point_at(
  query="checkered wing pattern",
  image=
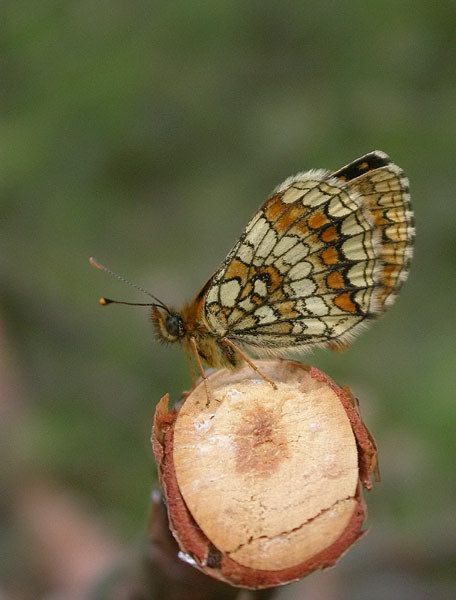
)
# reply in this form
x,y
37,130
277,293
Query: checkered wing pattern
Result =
x,y
384,190
324,254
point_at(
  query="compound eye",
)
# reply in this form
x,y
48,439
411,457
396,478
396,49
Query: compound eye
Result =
x,y
173,326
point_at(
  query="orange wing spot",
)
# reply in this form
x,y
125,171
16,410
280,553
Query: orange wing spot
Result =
x,y
380,220
345,303
274,207
389,275
329,234
317,220
275,277
258,300
276,296
238,269
335,280
330,256
246,291
389,269
290,216
286,309
363,166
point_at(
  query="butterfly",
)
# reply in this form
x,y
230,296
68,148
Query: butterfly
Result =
x,y
324,256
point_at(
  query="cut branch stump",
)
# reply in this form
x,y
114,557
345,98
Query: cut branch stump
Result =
x,y
262,485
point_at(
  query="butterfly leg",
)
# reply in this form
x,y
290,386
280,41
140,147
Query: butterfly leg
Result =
x,y
200,369
190,365
244,356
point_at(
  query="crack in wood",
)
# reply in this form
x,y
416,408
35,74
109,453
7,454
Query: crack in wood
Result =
x,y
294,529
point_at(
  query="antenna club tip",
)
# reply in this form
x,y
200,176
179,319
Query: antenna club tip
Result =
x,y
93,261
103,301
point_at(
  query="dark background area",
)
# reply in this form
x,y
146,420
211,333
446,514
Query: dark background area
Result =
x,y
147,134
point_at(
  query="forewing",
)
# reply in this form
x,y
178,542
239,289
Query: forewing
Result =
x,y
384,190
304,271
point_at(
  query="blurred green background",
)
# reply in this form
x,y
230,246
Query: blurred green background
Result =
x,y
147,134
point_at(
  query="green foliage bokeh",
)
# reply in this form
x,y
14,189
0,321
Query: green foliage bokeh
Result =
x,y
146,134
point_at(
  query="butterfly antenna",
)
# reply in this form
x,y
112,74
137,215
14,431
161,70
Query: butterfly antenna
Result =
x,y
105,301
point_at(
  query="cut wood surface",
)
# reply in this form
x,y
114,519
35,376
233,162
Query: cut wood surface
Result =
x,y
270,478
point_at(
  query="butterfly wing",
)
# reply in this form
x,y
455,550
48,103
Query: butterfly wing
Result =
x,y
307,269
384,189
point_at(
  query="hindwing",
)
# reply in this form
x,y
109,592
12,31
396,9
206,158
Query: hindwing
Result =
x,y
384,189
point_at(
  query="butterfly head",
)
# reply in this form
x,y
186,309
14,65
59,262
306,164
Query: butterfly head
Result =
x,y
168,325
